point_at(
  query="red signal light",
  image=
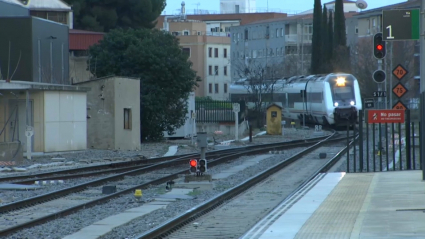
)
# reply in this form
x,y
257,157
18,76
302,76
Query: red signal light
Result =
x,y
193,163
379,47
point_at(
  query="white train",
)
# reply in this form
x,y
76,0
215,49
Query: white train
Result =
x,y
331,99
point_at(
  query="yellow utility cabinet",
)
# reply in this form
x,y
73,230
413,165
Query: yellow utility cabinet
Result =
x,y
274,119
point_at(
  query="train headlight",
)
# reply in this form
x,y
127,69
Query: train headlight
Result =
x,y
336,104
352,103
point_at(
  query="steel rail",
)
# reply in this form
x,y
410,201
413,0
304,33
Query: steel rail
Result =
x,y
128,165
181,220
142,186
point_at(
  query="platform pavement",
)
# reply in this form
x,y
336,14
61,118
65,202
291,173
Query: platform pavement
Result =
x,y
380,205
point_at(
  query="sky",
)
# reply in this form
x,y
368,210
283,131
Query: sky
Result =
x,y
287,6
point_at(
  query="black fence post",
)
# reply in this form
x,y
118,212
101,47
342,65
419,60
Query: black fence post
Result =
x,y
399,146
348,148
407,139
367,147
380,146
414,146
386,147
361,140
374,147
354,147
392,132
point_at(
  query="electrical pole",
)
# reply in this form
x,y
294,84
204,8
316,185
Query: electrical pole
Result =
x,y
422,86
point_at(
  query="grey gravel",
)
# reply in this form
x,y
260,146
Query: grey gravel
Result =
x,y
74,222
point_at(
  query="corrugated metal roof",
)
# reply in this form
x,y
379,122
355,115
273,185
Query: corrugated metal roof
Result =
x,y
80,40
42,4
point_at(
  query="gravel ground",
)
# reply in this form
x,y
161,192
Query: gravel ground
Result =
x,y
72,223
148,150
8,196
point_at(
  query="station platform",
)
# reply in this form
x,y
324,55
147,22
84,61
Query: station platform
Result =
x,y
356,206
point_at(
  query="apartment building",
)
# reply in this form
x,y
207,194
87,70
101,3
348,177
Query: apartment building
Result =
x,y
209,55
281,47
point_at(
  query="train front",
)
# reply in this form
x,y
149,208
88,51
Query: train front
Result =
x,y
346,98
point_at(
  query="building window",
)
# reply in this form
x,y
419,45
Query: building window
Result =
x,y
60,17
127,118
209,51
216,88
246,34
277,32
216,70
186,51
210,70
357,30
210,88
215,52
225,87
225,71
282,33
186,33
225,52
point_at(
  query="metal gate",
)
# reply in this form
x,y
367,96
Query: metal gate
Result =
x,y
385,146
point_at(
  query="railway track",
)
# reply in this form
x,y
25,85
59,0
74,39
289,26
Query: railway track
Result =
x,y
222,217
229,155
121,167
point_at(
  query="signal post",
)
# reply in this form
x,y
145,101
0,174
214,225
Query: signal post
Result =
x,y
198,167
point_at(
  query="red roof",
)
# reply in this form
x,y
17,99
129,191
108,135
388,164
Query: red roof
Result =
x,y
82,40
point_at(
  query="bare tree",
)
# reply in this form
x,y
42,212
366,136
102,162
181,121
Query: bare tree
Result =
x,y
259,80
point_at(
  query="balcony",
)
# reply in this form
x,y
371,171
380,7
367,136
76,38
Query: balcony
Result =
x,y
298,38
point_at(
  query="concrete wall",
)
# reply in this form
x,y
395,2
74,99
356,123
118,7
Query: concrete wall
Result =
x,y
37,99
226,129
100,113
127,95
105,106
78,69
65,124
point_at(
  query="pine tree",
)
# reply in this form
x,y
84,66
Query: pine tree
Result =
x,y
316,39
330,46
325,42
340,38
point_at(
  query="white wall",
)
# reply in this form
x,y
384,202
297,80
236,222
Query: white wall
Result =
x,y
219,79
245,6
65,121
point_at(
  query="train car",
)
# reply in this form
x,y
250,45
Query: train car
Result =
x,y
332,99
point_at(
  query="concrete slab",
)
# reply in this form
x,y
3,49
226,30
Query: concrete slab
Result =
x,y
10,186
106,225
233,170
194,185
172,150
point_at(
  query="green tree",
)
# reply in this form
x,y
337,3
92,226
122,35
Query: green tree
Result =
x,y
104,15
341,53
340,38
325,42
330,38
156,58
316,38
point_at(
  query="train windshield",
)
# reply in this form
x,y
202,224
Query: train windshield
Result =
x,y
342,89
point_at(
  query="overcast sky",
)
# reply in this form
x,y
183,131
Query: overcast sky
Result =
x,y
288,6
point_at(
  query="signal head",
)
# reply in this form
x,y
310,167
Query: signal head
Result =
x,y
203,165
379,50
193,165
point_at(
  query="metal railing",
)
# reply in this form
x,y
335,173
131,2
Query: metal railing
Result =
x,y
213,111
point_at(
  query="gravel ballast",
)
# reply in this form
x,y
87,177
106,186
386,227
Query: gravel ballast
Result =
x,y
73,223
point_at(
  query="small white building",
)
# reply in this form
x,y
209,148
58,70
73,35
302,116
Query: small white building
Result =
x,y
237,6
56,114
